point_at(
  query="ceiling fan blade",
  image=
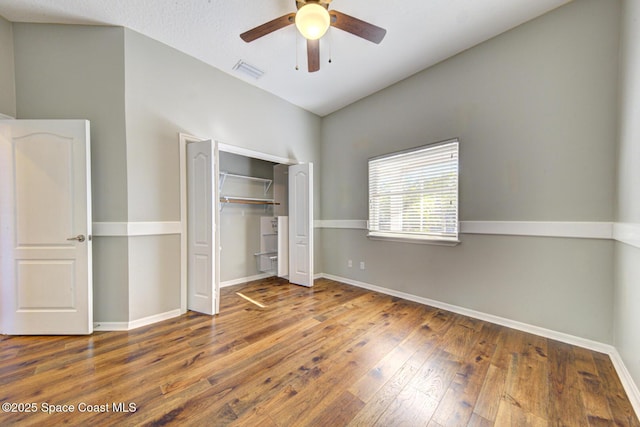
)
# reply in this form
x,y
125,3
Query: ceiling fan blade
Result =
x,y
268,27
313,55
357,27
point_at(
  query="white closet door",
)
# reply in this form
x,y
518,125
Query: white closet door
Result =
x,y
202,287
301,224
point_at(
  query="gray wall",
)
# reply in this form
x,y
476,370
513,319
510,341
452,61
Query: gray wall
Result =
x,y
535,111
77,72
7,76
627,283
554,283
170,92
110,279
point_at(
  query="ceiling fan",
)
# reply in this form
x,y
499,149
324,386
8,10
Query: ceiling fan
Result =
x,y
312,19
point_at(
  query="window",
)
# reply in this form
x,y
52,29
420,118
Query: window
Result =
x,y
413,194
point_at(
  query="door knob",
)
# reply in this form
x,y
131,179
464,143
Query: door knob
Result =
x,y
80,238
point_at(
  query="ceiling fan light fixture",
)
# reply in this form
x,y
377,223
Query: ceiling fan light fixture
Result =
x,y
312,20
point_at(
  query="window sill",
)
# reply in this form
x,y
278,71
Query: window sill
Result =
x,y
418,241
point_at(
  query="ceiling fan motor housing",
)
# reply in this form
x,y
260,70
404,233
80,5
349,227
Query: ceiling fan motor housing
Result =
x,y
324,3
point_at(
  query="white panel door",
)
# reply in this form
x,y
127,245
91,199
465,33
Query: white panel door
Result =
x,y
203,291
45,227
301,224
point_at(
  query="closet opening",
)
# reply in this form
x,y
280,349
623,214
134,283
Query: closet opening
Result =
x,y
253,218
244,216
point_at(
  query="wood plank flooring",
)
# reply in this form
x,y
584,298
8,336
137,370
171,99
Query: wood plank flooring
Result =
x,y
332,355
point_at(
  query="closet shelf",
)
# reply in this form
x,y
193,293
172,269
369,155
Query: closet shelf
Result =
x,y
224,175
247,200
267,262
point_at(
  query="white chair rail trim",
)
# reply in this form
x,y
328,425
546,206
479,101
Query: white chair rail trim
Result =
x,y
628,233
128,229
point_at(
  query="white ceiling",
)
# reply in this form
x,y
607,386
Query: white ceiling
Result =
x,y
420,33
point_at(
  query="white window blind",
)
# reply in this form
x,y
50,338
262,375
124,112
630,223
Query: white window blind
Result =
x,y
414,194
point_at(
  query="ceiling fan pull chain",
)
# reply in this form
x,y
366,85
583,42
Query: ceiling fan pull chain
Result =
x,y
297,67
330,40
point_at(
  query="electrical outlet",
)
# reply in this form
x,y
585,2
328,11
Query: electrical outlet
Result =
x,y
361,265
350,263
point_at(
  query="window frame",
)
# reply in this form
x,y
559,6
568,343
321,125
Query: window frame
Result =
x,y
421,237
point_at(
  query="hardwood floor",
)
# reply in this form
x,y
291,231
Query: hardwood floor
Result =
x,y
332,355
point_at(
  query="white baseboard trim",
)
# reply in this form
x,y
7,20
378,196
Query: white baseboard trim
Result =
x,y
129,229
110,326
127,326
559,336
154,319
625,377
245,279
633,393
